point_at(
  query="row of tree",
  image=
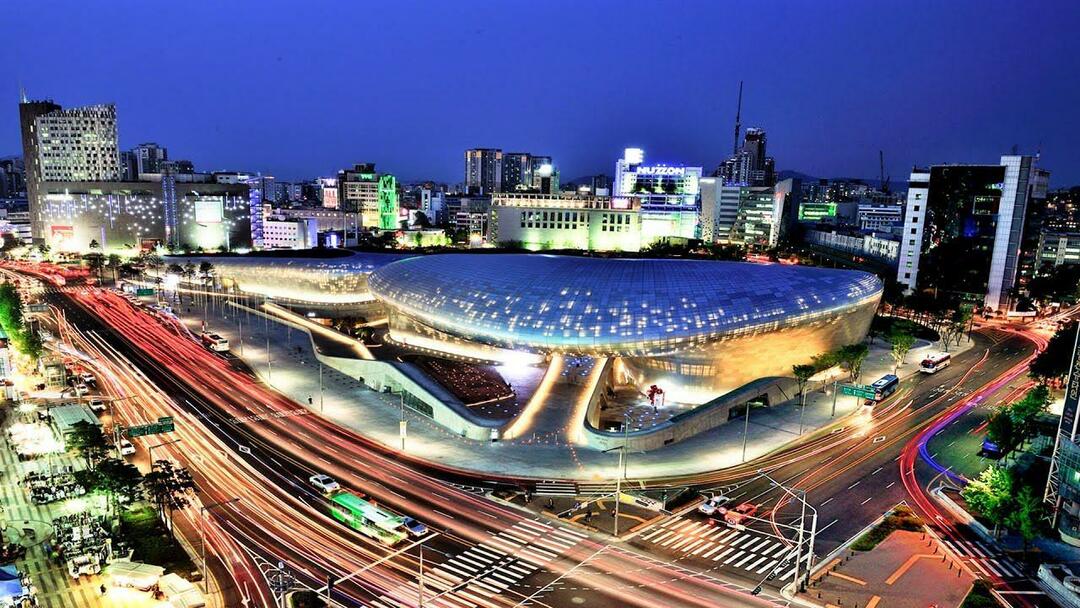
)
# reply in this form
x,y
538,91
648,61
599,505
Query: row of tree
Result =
x,y
849,357
1014,423
14,324
996,498
167,486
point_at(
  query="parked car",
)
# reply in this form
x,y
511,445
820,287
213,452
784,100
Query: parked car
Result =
x,y
88,378
324,483
126,447
96,405
712,503
740,513
81,389
415,528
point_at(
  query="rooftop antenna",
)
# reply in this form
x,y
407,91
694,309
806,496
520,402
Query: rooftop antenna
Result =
x,y
738,120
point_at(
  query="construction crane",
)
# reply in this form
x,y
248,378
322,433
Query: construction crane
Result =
x,y
884,178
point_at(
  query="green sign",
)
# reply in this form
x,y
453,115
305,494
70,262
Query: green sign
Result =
x,y
144,291
857,390
165,424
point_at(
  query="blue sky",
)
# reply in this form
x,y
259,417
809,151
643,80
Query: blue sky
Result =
x,y
299,89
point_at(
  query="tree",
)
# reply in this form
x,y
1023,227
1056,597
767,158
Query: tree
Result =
x,y
1025,412
802,375
422,220
115,261
824,361
120,480
1053,363
89,442
95,261
1025,515
1001,429
901,341
169,487
989,495
851,358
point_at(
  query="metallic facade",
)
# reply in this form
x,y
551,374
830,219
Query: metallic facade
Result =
x,y
702,325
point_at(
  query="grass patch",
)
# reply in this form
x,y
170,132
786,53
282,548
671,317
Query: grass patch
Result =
x,y
143,531
979,597
901,518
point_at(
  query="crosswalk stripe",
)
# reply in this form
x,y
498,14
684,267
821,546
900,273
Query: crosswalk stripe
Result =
x,y
541,552
652,533
520,568
518,536
783,549
713,550
697,542
474,598
545,543
757,562
974,549
666,534
505,577
705,545
990,566
733,557
721,533
539,526
726,551
681,525
770,564
682,541
456,571
471,562
670,540
493,555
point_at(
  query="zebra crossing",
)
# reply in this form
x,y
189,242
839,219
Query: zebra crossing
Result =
x,y
731,547
984,559
473,578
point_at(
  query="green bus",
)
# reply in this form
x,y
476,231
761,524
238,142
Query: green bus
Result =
x,y
367,518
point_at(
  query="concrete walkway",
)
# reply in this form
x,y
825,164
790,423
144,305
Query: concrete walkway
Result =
x,y
293,370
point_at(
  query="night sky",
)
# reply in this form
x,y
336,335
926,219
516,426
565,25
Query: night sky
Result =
x,y
300,92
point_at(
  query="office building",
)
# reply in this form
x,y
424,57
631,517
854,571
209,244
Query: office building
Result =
x,y
963,228
12,178
752,216
483,171
149,158
328,192
669,195
281,233
750,166
358,193
517,172
884,248
880,218
1057,248
565,221
1063,484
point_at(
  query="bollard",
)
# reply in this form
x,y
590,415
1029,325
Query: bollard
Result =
x,y
943,558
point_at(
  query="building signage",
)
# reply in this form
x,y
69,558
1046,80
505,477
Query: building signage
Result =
x,y
662,171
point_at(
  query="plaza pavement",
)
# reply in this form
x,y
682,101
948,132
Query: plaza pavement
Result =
x,y
293,370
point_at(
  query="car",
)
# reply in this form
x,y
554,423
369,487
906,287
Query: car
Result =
x,y
413,527
96,405
736,516
324,483
712,503
126,447
81,389
88,378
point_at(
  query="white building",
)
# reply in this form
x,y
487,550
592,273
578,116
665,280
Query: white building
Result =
x,y
566,221
670,205
880,218
281,233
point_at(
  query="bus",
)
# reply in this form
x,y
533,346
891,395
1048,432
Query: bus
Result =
x,y
934,363
367,518
885,386
215,342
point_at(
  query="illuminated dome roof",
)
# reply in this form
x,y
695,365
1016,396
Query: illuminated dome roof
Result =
x,y
612,305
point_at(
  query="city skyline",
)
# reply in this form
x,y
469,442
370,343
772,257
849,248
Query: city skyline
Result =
x,y
927,105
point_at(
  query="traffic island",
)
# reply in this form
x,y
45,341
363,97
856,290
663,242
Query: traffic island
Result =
x,y
903,569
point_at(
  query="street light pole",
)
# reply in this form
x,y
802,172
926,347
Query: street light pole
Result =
x,y
833,399
745,431
403,424
802,410
320,386
202,535
622,468
801,497
163,444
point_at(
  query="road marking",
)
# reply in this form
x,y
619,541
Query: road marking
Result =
x,y
726,551
827,526
756,562
877,470
867,500
891,484
733,557
443,514
854,484
827,501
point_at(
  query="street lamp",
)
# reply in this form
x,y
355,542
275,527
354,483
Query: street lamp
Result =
x,y
622,468
159,445
202,534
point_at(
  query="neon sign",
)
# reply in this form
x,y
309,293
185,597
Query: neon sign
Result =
x,y
661,170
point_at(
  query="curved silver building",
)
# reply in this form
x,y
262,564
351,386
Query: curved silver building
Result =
x,y
321,281
698,328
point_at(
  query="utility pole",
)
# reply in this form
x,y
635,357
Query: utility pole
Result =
x,y
745,431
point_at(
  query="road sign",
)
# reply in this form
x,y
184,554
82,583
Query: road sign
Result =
x,y
165,424
144,291
857,390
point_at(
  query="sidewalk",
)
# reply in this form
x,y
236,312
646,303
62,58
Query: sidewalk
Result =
x,y
294,371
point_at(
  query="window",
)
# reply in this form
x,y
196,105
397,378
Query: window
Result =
x,y
912,231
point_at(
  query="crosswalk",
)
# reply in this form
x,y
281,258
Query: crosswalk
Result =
x,y
986,560
473,578
741,549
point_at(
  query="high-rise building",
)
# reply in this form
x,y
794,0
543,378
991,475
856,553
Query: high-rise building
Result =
x,y
388,202
669,195
517,171
963,227
750,166
74,145
328,192
483,171
1063,483
12,178
149,158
